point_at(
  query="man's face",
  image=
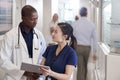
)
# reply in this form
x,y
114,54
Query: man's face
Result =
x,y
31,21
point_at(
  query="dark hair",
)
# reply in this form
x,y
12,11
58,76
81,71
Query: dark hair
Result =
x,y
83,11
68,30
76,18
27,10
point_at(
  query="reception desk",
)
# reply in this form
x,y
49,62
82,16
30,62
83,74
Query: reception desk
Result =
x,y
108,64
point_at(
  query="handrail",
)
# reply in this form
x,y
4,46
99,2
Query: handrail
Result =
x,y
113,23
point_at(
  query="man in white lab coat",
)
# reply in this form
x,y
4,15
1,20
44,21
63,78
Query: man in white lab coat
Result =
x,y
22,44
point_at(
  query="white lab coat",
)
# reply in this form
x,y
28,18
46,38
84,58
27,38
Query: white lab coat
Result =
x,y
12,57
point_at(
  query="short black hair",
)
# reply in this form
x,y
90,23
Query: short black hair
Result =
x,y
76,17
83,11
27,10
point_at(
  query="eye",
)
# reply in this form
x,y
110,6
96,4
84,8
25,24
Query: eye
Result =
x,y
55,31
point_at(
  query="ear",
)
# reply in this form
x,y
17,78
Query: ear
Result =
x,y
65,36
22,18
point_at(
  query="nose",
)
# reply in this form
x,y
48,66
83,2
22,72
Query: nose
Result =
x,y
35,21
53,33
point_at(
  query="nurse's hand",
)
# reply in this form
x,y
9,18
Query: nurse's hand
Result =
x,y
45,72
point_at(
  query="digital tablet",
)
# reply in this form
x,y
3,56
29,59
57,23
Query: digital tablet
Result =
x,y
33,68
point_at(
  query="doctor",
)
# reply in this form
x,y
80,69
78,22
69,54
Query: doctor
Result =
x,y
22,44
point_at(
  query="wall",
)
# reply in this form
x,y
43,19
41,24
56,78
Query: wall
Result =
x,y
54,5
18,4
113,65
46,18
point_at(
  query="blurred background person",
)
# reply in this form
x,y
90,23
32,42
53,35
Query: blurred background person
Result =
x,y
53,23
85,33
76,17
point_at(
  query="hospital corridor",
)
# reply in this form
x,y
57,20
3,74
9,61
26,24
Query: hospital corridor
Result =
x,y
59,39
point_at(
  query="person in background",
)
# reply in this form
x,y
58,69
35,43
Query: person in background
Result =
x,y
23,43
76,18
85,34
61,58
53,23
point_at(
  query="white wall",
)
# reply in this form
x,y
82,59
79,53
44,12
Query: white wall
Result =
x,y
47,13
17,11
54,7
113,65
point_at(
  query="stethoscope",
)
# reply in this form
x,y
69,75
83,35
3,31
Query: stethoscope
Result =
x,y
18,43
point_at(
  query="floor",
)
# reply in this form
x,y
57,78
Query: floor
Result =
x,y
91,70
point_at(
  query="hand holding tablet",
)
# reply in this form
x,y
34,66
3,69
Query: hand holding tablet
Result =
x,y
33,68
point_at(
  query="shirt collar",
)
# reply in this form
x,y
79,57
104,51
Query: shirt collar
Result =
x,y
83,17
23,30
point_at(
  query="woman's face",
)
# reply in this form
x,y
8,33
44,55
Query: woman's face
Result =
x,y
55,18
57,35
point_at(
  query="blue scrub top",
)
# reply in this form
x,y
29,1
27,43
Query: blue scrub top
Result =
x,y
67,56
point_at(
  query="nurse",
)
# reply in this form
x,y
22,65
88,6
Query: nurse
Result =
x,y
23,43
61,58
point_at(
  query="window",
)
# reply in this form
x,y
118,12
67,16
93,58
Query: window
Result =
x,y
5,15
67,9
106,19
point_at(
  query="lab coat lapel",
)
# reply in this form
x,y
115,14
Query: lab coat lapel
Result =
x,y
36,48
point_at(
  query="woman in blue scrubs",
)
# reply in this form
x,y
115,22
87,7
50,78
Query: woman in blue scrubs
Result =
x,y
61,58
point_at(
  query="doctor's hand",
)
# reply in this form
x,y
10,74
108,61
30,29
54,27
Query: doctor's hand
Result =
x,y
28,74
33,76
